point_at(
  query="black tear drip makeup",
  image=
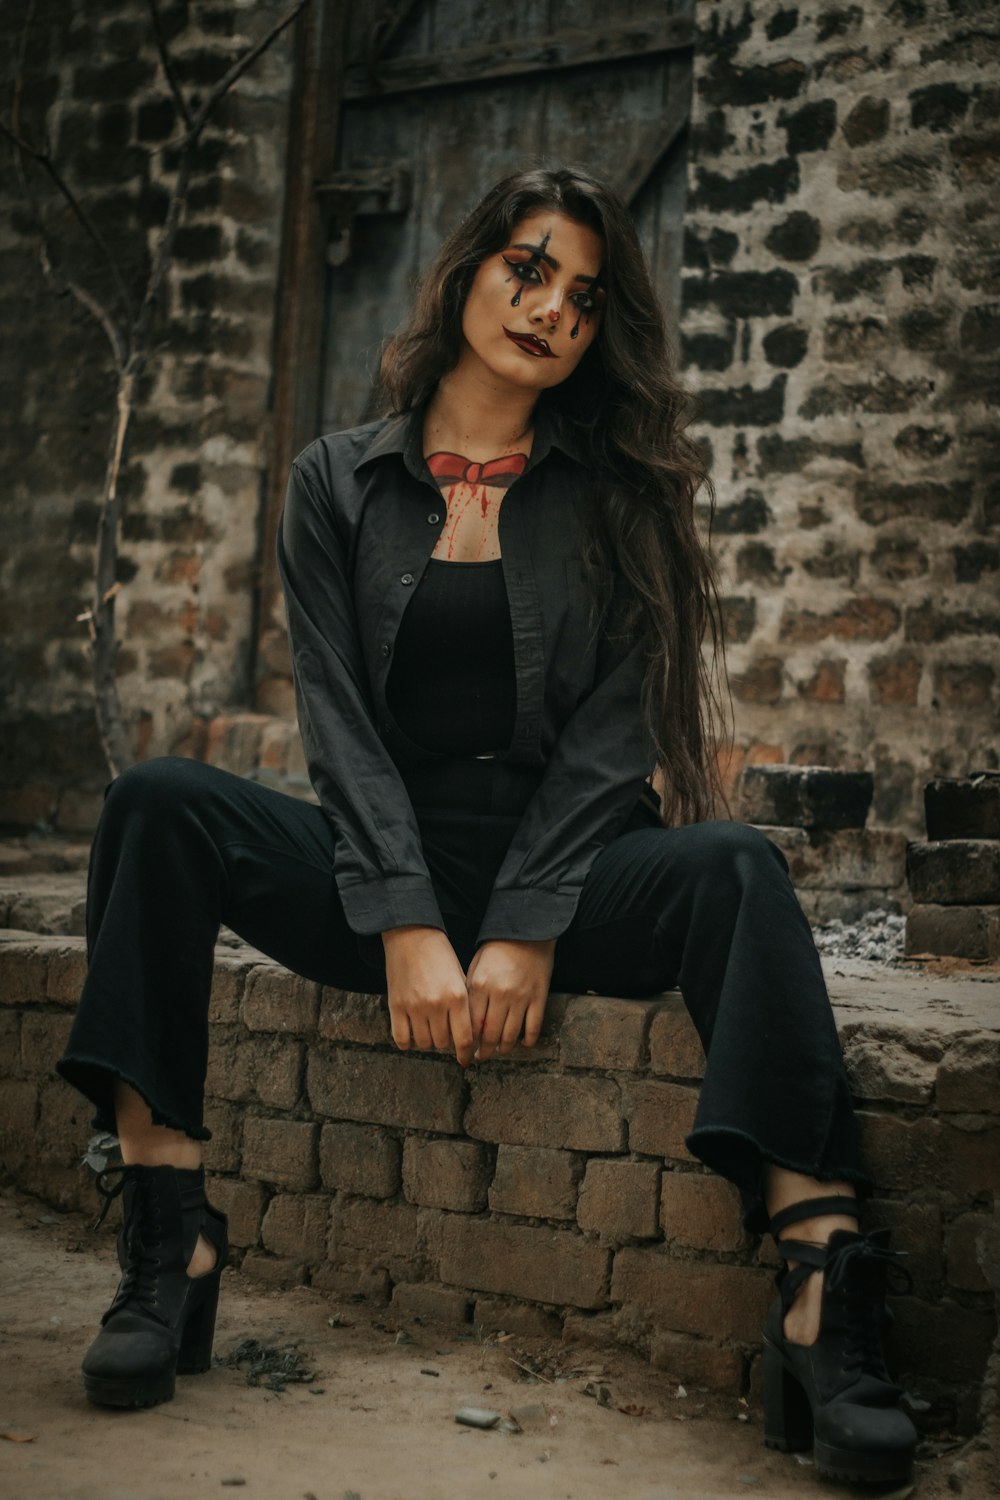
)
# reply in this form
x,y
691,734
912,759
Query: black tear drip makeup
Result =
x,y
535,258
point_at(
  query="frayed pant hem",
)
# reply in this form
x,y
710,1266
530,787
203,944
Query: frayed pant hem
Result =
x,y
92,1077
735,1155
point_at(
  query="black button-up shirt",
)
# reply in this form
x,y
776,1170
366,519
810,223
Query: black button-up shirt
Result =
x,y
361,518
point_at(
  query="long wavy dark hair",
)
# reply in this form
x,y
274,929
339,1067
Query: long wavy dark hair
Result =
x,y
628,413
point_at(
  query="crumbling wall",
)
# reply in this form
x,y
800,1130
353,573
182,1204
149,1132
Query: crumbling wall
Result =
x,y
840,323
196,449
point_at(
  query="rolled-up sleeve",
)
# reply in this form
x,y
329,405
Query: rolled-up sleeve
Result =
x,y
379,866
590,785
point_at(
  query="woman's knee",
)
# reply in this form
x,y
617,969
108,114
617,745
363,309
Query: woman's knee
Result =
x,y
155,786
737,850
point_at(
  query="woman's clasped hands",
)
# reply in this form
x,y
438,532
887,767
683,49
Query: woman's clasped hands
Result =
x,y
433,1004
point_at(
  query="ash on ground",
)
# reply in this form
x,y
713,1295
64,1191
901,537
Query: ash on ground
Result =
x,y
877,936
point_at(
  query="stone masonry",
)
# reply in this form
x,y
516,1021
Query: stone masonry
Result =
x,y
549,1191
839,324
196,450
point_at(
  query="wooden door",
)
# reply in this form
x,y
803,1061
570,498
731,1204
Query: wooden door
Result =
x,y
438,99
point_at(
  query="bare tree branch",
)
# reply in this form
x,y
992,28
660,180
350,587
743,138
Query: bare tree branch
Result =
x,y
89,303
178,198
239,67
131,354
167,63
45,160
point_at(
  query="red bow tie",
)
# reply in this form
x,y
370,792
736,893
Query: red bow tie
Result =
x,y
453,468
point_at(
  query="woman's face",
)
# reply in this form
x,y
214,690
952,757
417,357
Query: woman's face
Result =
x,y
534,307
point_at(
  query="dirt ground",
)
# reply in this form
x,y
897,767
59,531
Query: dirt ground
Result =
x,y
375,1420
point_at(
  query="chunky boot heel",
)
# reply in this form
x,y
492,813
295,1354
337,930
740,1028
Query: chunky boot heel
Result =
x,y
195,1354
161,1322
837,1390
788,1424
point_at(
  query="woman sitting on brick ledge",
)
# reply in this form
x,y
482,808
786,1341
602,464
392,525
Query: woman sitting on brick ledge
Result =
x,y
497,600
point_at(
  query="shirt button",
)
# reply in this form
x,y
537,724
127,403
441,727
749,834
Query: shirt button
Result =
x,y
406,578
433,518
386,649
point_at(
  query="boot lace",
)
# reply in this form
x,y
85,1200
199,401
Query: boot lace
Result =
x,y
141,1230
862,1270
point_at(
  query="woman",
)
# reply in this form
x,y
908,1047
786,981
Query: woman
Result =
x,y
496,599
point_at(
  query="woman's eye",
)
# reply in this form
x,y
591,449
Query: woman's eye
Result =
x,y
586,301
523,269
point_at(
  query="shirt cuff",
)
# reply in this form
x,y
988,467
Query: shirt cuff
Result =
x,y
398,901
529,914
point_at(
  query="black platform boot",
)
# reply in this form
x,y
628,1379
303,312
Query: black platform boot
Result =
x,y
835,1395
162,1321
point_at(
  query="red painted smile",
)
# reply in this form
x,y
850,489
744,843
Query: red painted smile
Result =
x,y
533,345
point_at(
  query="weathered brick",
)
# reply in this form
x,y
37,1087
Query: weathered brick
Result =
x,y
249,1069
275,1000
359,1159
66,973
943,1340
445,1174
901,1152
23,968
619,1199
430,1234
538,1108
228,978
659,1116
43,1040
539,1181
954,931
18,1111
10,1044
964,1253
376,1236
963,807
703,1213
295,1226
242,1202
441,1304
842,860
606,1033
696,1362
503,1315
280,1151
63,1121
274,1270
355,1284
348,1017
955,872
886,1062
555,1266
968,1078
225,1121
688,1296
806,796
915,1228
674,1045
416,1093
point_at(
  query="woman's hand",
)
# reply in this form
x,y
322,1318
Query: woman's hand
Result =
x,y
508,984
427,991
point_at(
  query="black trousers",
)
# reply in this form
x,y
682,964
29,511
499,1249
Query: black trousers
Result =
x,y
182,847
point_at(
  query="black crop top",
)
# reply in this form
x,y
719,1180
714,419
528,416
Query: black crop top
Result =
x,y
451,686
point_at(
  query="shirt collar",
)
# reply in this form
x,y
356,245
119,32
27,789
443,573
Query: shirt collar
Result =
x,y
404,434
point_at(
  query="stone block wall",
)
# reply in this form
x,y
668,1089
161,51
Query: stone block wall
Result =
x,y
546,1192
840,324
196,450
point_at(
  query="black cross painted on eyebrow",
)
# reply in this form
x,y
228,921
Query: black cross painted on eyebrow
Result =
x,y
540,253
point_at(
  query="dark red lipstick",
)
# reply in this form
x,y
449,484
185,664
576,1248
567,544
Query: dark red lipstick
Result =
x,y
529,341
